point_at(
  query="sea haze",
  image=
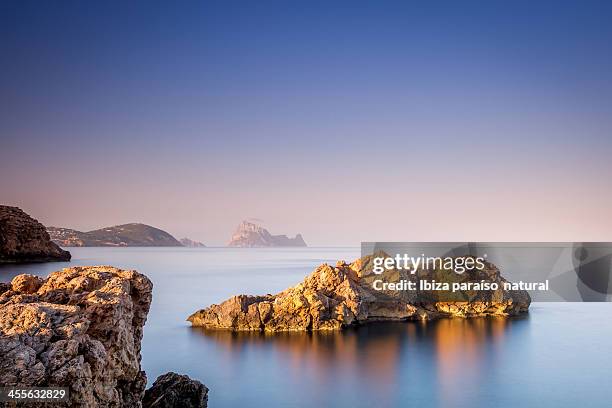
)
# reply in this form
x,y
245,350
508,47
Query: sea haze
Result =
x,y
552,357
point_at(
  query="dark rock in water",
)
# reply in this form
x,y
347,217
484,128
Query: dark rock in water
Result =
x,y
173,390
126,235
249,234
333,298
23,239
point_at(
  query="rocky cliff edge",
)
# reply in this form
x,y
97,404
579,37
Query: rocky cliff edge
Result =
x,y
23,239
82,328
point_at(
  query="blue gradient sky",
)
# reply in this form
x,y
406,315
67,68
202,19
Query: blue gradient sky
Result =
x,y
343,121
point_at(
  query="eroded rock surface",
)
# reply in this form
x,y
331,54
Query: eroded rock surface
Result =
x,y
189,243
80,328
335,297
23,239
173,390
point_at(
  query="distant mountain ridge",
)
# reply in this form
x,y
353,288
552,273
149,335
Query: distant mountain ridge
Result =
x,y
249,235
125,235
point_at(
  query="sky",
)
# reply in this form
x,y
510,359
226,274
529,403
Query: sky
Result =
x,y
343,121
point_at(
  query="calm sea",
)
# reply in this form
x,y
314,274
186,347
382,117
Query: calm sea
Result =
x,y
558,356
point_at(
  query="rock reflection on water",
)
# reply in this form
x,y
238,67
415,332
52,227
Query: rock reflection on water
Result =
x,y
389,359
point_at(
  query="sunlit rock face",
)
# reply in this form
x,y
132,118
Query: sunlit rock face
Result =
x,y
331,298
23,239
80,328
249,235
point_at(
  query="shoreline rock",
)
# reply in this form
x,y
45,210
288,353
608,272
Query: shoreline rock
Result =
x,y
79,328
332,298
23,239
125,235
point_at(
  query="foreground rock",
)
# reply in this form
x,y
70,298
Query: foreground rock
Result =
x,y
332,298
80,328
250,235
174,390
23,239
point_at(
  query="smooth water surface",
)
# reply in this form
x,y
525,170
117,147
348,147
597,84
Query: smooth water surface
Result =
x,y
557,356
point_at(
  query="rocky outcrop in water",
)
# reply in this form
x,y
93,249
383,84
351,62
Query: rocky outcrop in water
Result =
x,y
186,242
80,328
23,239
332,298
173,390
126,235
249,235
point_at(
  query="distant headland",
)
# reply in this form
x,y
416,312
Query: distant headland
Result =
x,y
125,235
34,242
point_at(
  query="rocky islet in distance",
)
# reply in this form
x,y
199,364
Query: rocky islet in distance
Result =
x,y
24,239
82,328
332,298
251,235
